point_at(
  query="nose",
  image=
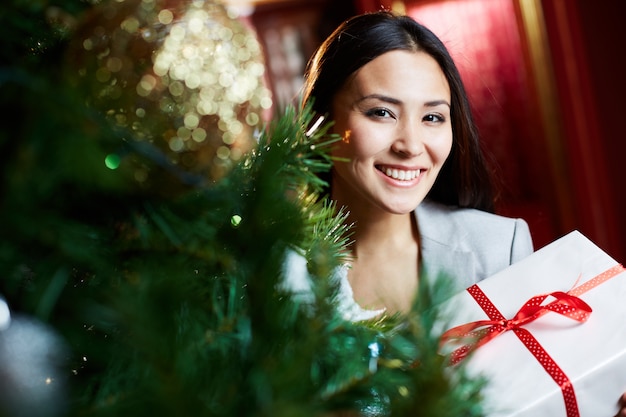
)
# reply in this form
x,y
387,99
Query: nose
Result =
x,y
409,141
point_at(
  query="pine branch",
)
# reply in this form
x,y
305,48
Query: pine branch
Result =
x,y
171,302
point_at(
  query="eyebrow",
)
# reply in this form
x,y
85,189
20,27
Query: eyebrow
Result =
x,y
391,100
436,103
380,97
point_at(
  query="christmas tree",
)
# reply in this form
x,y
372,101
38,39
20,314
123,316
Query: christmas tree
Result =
x,y
146,228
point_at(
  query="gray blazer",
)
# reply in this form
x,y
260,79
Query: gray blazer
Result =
x,y
469,245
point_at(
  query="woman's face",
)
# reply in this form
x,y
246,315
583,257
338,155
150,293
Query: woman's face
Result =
x,y
394,117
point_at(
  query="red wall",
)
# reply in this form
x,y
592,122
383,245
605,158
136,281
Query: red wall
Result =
x,y
587,41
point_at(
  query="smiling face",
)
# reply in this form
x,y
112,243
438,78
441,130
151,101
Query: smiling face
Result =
x,y
394,117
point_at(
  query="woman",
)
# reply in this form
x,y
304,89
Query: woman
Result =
x,y
410,170
415,183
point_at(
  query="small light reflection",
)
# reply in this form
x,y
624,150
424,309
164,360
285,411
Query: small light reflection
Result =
x,y
5,315
112,161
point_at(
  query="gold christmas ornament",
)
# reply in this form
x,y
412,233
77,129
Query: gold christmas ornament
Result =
x,y
183,78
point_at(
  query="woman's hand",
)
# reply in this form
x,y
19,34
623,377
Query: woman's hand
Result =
x,y
622,405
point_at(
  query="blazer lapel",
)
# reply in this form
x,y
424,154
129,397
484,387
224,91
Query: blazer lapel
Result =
x,y
443,246
440,260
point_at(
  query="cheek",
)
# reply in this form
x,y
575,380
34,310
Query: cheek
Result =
x,y
369,139
443,149
354,143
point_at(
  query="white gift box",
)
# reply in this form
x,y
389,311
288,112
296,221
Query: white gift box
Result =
x,y
592,354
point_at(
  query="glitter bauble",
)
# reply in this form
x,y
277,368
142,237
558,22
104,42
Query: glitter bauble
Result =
x,y
182,78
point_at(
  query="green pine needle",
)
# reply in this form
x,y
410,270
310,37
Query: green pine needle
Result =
x,y
172,302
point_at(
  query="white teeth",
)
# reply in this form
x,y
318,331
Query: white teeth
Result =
x,y
401,175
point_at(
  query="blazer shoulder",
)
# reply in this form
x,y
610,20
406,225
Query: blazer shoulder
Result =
x,y
492,241
465,225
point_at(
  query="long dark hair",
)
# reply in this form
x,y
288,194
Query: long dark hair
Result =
x,y
464,179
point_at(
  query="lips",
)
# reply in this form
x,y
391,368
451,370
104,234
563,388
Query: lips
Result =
x,y
400,174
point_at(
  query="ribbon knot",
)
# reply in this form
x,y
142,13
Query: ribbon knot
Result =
x,y
508,324
475,334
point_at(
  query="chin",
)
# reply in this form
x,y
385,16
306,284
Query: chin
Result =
x,y
404,207
401,210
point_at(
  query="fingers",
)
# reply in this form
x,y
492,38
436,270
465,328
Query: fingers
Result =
x,y
622,404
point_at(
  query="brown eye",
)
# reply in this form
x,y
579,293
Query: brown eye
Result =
x,y
379,113
434,118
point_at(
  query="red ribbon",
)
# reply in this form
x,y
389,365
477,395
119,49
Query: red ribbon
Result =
x,y
567,304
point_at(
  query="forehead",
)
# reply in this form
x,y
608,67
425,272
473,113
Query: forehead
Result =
x,y
401,73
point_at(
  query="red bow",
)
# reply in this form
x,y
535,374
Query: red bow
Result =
x,y
482,331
